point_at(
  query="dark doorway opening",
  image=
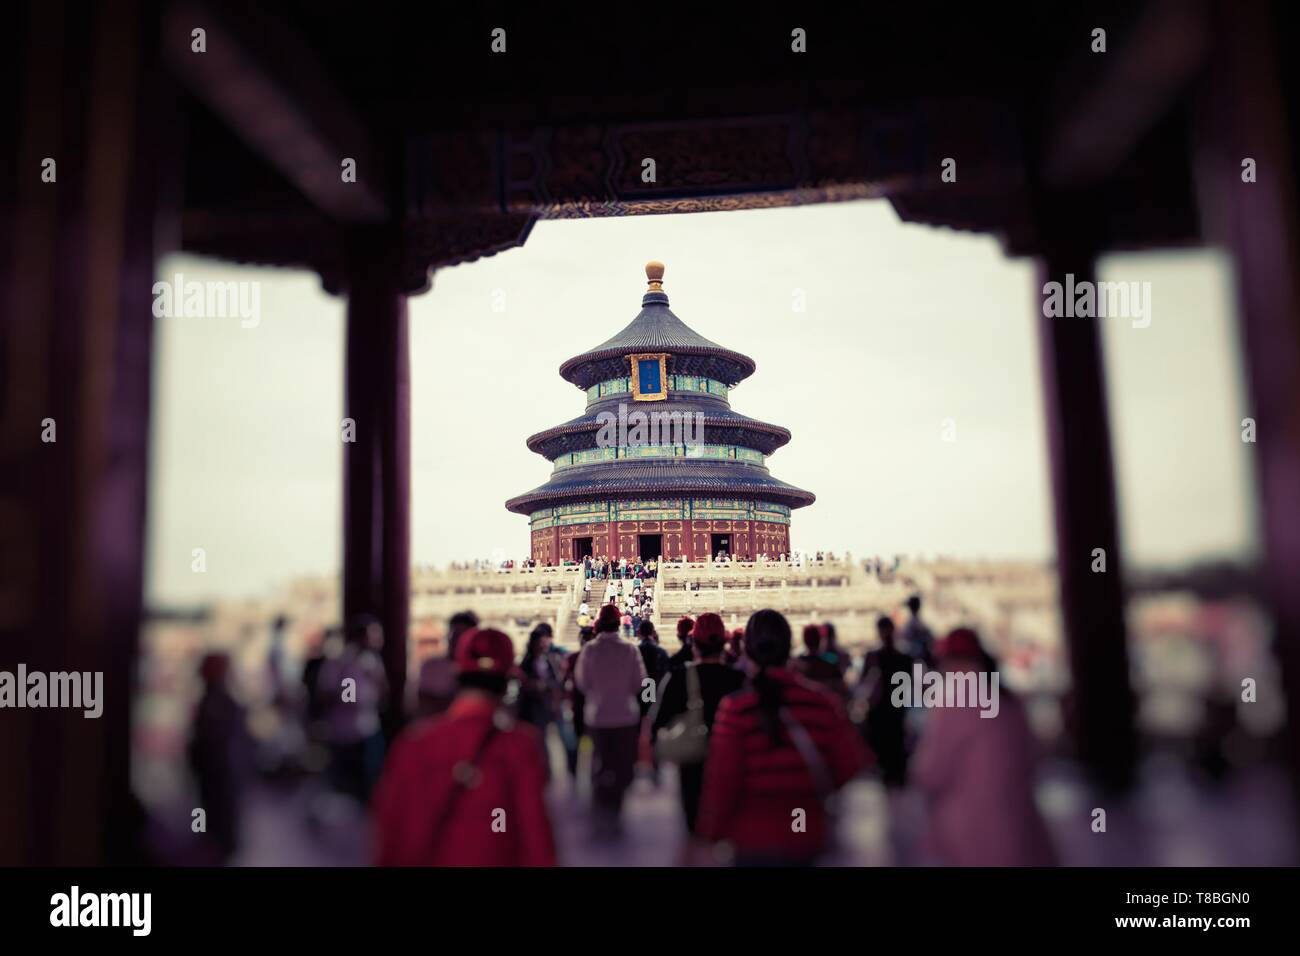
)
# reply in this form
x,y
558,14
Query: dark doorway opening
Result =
x,y
721,545
649,546
581,548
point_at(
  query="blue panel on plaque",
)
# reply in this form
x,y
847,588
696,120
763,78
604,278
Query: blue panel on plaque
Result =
x,y
648,372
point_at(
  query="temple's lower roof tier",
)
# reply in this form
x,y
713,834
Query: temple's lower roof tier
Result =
x,y
720,426
668,478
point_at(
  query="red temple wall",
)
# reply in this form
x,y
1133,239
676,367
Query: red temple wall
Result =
x,y
691,539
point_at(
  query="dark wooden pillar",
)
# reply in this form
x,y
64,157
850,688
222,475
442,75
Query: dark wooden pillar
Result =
x,y
75,346
1092,602
377,465
1243,114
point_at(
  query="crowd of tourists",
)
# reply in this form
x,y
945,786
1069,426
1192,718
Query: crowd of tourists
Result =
x,y
763,734
634,598
494,564
602,568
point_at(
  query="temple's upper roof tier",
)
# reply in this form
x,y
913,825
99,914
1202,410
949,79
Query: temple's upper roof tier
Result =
x,y
657,329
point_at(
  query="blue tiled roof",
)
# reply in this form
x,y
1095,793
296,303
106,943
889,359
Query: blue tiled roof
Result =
x,y
672,477
656,329
580,433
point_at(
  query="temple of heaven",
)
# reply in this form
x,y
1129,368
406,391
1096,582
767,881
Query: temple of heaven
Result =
x,y
659,466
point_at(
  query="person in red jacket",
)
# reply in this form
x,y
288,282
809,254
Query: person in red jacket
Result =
x,y
779,748
466,788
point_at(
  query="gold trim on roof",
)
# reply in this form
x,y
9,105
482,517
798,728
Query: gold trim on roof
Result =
x,y
654,273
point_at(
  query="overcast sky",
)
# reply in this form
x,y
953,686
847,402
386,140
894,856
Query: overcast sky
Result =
x,y
904,327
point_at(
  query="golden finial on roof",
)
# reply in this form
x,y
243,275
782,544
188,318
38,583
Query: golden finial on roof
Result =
x,y
654,271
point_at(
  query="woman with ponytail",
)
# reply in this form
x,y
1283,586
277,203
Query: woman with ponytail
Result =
x,y
780,747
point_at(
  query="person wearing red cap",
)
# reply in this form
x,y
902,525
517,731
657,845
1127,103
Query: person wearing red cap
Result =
x,y
466,788
976,769
962,644
611,675
701,684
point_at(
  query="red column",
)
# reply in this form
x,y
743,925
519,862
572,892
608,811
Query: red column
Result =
x,y
377,466
1243,112
1092,603
77,259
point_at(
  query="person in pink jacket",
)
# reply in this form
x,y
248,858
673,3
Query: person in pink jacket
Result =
x,y
977,772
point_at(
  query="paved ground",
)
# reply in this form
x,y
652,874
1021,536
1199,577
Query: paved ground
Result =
x,y
1172,820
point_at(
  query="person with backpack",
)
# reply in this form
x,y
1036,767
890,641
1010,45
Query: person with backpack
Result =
x,y
466,788
779,749
688,700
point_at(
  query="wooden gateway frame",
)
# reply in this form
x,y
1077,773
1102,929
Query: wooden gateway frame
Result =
x,y
1053,177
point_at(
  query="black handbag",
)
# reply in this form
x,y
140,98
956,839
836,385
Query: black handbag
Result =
x,y
685,739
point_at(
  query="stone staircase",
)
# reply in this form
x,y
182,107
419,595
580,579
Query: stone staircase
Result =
x,y
513,601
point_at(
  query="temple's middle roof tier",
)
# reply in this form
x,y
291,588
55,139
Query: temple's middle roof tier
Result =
x,y
721,426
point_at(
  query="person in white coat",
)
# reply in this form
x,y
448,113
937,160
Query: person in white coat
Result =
x,y
611,675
